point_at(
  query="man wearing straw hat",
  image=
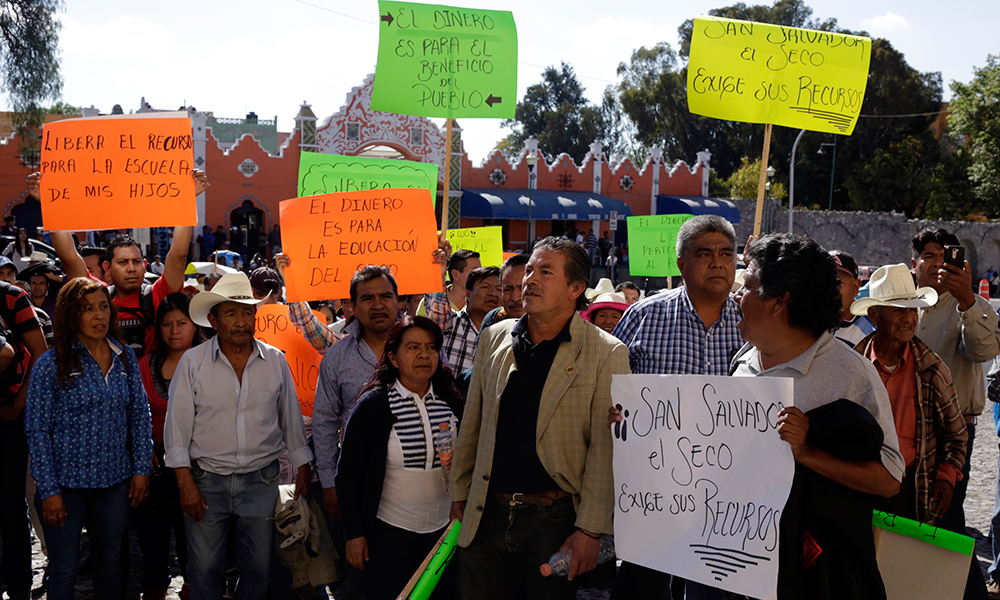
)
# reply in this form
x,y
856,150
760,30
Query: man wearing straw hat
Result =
x,y
232,411
929,423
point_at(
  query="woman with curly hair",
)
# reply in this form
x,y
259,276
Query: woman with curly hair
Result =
x,y
390,480
88,426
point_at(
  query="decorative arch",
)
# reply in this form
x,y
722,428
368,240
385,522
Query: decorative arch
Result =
x,y
407,155
371,127
227,223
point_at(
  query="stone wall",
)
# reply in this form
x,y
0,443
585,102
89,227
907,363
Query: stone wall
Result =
x,y
874,238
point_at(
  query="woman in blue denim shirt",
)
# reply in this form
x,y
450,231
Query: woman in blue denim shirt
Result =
x,y
88,426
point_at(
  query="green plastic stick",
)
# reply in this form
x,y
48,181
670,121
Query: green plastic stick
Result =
x,y
941,538
442,558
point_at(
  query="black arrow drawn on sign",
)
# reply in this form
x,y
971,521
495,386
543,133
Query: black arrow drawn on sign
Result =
x,y
387,17
493,100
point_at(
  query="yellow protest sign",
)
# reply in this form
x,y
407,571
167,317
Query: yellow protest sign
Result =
x,y
487,241
759,73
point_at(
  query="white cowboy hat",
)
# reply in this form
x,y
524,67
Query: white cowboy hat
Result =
x,y
36,256
612,300
892,285
233,287
604,286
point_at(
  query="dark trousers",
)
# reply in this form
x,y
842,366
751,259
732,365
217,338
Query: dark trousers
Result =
x,y
512,542
636,582
15,530
954,520
104,511
351,588
154,519
394,555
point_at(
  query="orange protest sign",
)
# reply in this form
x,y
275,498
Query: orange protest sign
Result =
x,y
507,255
330,236
117,173
275,327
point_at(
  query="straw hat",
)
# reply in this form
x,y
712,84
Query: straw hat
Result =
x,y
233,287
611,300
36,256
892,285
604,286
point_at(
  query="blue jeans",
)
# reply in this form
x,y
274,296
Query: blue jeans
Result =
x,y
105,513
245,501
994,531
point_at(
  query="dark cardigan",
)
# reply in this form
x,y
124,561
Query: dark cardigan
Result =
x,y
363,453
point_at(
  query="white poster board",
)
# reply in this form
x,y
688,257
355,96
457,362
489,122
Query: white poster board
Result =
x,y
701,477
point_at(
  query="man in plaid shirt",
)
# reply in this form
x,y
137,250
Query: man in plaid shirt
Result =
x,y
687,331
461,328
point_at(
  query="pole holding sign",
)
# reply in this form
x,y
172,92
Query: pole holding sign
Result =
x,y
330,237
445,61
702,477
117,173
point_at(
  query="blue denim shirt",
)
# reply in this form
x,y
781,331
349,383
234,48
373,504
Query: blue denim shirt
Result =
x,y
78,435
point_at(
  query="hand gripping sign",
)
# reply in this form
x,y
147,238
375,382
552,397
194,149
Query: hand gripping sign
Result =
x,y
702,476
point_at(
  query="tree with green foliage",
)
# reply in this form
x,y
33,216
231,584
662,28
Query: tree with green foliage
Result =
x,y
62,108
557,114
29,62
744,181
975,114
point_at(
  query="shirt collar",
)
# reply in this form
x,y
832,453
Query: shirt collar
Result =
x,y
216,351
406,393
521,330
903,360
115,345
353,329
802,362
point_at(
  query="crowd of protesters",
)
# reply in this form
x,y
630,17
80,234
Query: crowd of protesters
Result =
x,y
145,400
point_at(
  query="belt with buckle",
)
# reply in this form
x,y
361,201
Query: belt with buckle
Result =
x,y
544,499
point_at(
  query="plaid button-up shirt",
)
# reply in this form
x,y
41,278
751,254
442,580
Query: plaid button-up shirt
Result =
x,y
460,333
665,336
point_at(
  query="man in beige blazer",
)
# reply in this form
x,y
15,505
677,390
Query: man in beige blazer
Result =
x,y
532,470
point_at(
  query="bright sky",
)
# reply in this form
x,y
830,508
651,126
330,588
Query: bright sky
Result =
x,y
267,56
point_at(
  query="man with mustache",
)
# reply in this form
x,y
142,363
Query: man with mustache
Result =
x,y
531,472
232,412
929,423
687,331
511,280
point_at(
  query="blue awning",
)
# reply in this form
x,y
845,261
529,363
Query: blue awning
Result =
x,y
697,205
545,205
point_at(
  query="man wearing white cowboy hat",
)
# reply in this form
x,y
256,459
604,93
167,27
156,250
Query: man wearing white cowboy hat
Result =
x,y
232,411
929,423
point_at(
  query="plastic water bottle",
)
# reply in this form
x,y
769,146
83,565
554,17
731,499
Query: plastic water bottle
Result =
x,y
559,563
444,444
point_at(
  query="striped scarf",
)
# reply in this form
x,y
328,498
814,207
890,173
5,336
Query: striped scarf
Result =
x,y
410,428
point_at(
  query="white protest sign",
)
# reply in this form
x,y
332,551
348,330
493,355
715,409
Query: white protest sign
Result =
x,y
701,477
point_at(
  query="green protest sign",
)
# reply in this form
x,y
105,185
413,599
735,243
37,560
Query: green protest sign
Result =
x,y
444,61
652,244
942,538
487,241
331,174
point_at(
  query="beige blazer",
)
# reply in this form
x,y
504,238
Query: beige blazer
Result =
x,y
572,436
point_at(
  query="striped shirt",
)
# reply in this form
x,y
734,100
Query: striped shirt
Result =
x,y
460,333
418,425
665,336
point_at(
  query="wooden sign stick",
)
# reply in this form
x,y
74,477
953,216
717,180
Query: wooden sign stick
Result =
x,y
762,180
447,177
427,559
